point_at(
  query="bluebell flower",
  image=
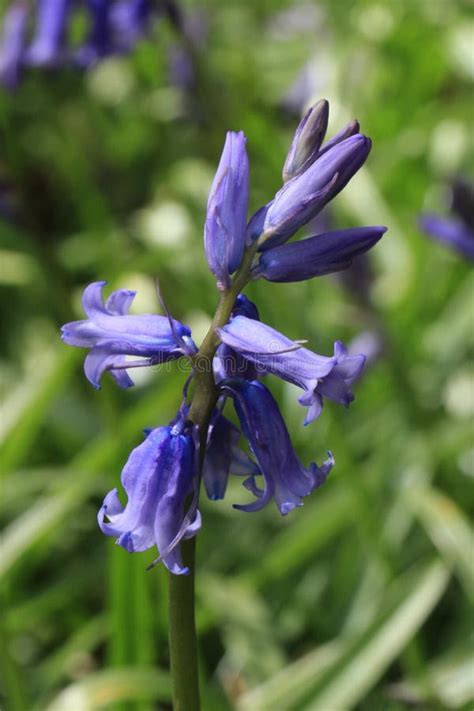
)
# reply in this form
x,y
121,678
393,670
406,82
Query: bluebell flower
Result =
x,y
158,478
226,218
456,231
12,44
112,335
49,43
316,256
224,457
272,352
285,479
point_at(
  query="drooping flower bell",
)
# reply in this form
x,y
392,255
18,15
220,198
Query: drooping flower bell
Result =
x,y
226,218
285,479
112,334
158,478
272,352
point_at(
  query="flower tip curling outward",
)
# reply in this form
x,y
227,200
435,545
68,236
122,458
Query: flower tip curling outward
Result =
x,y
226,218
112,335
158,478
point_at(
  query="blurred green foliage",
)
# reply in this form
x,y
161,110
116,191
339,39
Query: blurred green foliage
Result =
x,y
360,600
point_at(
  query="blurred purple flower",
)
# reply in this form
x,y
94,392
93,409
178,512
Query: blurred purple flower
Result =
x,y
456,232
285,478
48,48
12,43
158,479
112,335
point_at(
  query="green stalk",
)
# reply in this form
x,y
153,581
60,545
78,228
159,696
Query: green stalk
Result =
x,y
182,627
182,635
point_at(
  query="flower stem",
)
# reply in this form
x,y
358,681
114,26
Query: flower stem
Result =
x,y
182,635
182,629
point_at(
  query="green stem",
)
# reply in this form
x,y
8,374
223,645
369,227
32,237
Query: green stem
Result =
x,y
182,628
182,635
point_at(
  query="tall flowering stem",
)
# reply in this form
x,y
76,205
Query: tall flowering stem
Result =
x,y
163,474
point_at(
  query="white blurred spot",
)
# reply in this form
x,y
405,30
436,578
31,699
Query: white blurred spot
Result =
x,y
111,81
449,143
167,224
458,394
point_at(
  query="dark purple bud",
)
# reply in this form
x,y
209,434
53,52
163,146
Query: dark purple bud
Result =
x,y
158,478
47,48
12,43
285,479
244,307
316,256
304,196
307,140
226,219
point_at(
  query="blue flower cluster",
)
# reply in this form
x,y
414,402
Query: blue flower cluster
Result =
x,y
162,476
112,27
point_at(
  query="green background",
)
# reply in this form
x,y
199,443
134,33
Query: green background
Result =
x,y
359,600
